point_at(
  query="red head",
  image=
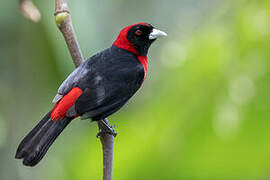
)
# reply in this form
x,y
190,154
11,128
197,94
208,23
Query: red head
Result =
x,y
137,38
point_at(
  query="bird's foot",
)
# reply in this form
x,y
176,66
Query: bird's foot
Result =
x,y
105,128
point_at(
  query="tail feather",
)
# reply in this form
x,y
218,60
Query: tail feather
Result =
x,y
37,142
30,135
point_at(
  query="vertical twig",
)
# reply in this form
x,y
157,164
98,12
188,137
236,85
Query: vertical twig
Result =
x,y
107,141
64,23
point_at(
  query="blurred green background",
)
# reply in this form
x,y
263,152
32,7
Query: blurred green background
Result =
x,y
202,114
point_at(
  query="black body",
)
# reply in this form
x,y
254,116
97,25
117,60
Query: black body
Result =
x,y
107,81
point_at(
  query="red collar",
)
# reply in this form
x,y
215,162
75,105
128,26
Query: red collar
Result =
x,y
123,43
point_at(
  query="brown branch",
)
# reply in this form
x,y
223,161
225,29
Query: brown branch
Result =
x,y
64,23
107,141
29,10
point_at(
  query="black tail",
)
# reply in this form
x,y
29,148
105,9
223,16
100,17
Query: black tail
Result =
x,y
37,142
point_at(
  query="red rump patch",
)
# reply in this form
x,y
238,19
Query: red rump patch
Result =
x,y
61,107
122,41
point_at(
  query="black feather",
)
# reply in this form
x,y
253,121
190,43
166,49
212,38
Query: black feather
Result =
x,y
37,142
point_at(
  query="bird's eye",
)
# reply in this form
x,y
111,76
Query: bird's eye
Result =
x,y
138,32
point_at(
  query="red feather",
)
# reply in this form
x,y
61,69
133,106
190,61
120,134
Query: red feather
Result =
x,y
61,107
143,60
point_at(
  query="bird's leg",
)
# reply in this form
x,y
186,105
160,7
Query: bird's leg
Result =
x,y
106,128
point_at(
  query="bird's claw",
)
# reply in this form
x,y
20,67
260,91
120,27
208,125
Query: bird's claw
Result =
x,y
106,129
106,132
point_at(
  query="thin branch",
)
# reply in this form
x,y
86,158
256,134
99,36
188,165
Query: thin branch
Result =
x,y
107,141
64,23
29,10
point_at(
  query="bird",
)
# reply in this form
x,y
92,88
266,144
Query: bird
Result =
x,y
97,88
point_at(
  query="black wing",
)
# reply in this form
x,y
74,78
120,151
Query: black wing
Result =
x,y
116,75
72,80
